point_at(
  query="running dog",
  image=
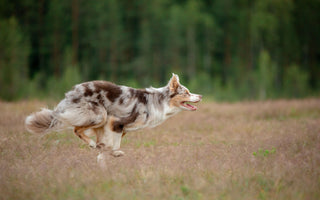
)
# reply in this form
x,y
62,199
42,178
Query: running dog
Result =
x,y
110,111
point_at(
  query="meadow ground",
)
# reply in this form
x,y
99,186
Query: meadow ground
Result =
x,y
250,150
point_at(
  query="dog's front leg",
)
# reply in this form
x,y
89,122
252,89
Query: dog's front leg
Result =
x,y
116,144
114,130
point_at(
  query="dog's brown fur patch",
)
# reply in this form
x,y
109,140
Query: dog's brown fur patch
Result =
x,y
121,101
88,91
140,94
117,125
100,99
76,100
113,91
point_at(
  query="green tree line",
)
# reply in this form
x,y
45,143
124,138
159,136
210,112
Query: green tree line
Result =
x,y
228,49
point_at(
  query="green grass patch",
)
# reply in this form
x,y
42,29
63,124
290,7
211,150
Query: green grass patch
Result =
x,y
264,152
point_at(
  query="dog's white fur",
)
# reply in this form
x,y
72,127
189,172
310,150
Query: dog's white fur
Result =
x,y
110,111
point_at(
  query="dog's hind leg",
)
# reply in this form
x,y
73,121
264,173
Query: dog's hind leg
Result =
x,y
104,138
99,134
79,131
83,116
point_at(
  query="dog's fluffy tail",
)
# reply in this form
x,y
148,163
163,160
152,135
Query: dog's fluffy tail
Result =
x,y
43,122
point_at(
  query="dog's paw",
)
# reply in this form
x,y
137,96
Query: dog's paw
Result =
x,y
100,146
117,153
92,144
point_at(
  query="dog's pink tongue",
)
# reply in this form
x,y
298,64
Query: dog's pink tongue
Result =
x,y
191,106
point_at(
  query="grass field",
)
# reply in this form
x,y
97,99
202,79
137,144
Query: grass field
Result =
x,y
250,150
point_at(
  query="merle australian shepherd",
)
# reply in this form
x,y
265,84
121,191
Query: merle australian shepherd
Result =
x,y
110,111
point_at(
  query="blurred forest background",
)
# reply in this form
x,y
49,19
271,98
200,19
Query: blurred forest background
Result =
x,y
227,49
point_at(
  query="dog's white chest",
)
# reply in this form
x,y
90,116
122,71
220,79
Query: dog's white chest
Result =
x,y
145,123
150,120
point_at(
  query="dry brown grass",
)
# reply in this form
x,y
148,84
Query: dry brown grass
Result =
x,y
253,150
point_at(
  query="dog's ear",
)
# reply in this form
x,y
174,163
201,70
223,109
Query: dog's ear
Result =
x,y
174,82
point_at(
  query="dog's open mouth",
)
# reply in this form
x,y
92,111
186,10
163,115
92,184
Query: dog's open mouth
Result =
x,y
188,106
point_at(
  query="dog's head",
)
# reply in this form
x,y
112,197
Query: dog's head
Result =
x,y
180,96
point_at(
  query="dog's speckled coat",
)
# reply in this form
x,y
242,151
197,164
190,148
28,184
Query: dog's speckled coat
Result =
x,y
110,111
